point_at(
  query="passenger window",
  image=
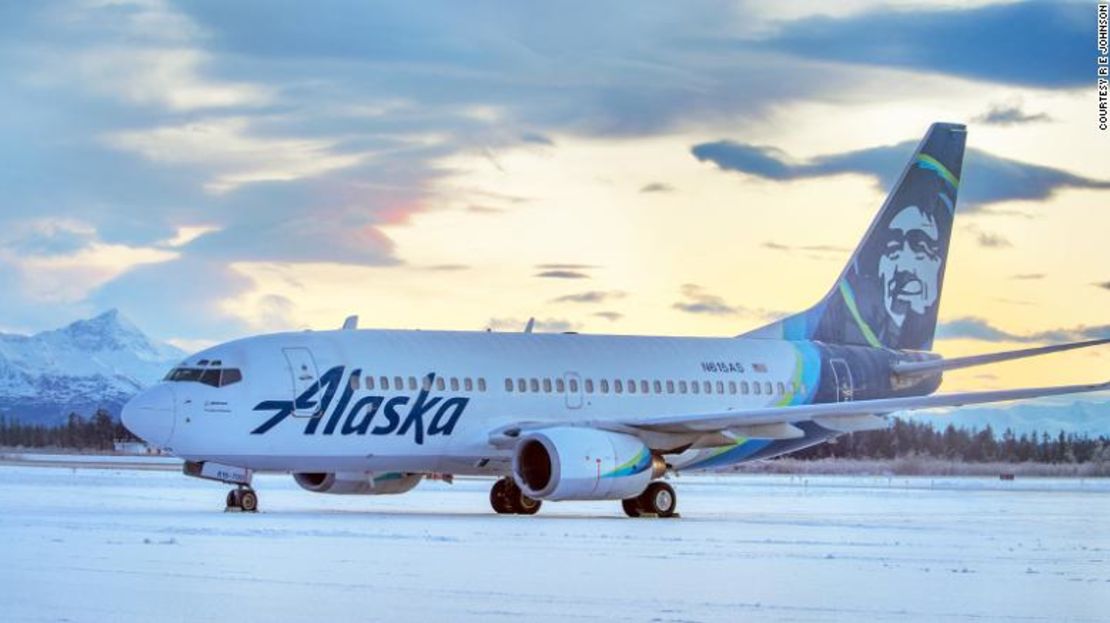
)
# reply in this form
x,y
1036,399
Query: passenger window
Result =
x,y
560,387
631,386
755,388
657,386
695,387
744,387
604,383
468,385
547,386
781,388
230,376
412,383
398,383
670,387
707,387
481,384
454,384
385,382
732,387
426,383
682,387
439,383
589,386
508,385
574,385
354,382
534,385
618,387
369,382
720,387
767,388
521,385
644,386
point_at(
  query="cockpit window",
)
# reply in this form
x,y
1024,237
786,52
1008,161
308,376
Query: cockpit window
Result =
x,y
215,377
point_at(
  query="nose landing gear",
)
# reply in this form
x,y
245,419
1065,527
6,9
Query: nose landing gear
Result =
x,y
242,499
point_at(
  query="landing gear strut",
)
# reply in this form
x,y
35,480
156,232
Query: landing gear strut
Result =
x,y
507,498
658,499
243,499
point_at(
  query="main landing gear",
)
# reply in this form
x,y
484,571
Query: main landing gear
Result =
x,y
242,498
507,498
658,499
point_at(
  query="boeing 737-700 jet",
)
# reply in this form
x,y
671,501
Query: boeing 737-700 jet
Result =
x,y
584,417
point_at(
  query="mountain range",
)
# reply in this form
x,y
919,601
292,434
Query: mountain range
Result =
x,y
96,363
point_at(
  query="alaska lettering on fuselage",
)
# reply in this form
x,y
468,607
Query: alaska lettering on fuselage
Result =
x,y
357,415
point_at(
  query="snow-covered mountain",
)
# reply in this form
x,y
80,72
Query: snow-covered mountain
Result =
x,y
100,362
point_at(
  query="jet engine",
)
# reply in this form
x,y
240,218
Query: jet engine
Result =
x,y
357,483
569,463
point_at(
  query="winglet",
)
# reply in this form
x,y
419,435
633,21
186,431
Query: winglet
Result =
x,y
531,325
351,323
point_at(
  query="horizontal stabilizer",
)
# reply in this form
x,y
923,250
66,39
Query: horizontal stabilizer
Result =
x,y
909,368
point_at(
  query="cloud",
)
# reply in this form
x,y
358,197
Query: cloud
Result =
x,y
987,178
480,209
988,239
1040,44
537,139
562,274
565,266
448,267
1105,285
1028,276
657,187
974,328
812,251
593,296
698,301
611,316
1009,115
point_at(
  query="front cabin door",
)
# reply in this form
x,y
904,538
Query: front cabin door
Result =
x,y
302,368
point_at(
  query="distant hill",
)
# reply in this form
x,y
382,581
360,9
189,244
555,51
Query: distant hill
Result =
x,y
96,363
1089,416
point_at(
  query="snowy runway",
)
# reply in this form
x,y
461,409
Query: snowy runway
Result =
x,y
105,545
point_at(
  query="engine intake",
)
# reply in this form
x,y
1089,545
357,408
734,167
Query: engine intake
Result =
x,y
568,463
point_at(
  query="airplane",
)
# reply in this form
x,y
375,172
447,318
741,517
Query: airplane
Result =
x,y
585,417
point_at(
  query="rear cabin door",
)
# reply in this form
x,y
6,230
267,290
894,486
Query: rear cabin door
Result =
x,y
843,375
302,367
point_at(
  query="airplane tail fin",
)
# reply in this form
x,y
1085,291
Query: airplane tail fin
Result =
x,y
888,294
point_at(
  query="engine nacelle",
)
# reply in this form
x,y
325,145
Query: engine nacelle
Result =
x,y
567,463
357,483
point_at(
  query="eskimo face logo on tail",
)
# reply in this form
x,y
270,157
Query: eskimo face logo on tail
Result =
x,y
370,414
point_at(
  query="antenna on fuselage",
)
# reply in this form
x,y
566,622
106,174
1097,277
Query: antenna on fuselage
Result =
x,y
351,323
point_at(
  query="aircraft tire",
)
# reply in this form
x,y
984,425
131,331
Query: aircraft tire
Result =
x,y
631,507
499,497
248,501
658,499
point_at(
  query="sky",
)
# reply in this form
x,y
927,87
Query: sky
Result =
x,y
215,169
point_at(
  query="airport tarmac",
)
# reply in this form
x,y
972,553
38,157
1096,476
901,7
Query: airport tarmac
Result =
x,y
120,544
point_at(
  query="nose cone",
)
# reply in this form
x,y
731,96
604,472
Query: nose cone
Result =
x,y
150,415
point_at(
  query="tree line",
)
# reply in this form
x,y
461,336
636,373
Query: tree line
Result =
x,y
98,432
907,438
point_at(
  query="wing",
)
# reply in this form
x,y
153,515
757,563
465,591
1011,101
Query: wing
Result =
x,y
777,422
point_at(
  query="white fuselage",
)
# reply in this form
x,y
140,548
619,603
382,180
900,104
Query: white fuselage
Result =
x,y
565,378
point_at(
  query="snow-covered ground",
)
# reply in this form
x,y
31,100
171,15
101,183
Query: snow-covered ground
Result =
x,y
104,545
